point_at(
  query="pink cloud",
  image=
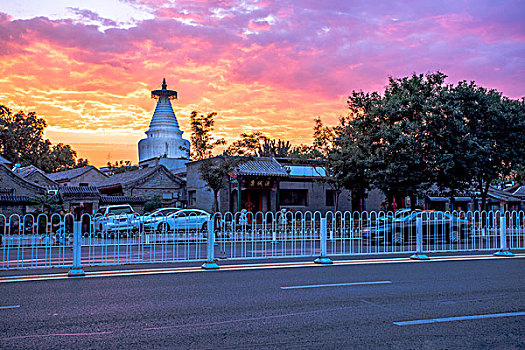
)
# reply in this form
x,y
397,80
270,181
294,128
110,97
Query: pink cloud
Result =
x,y
259,25
263,59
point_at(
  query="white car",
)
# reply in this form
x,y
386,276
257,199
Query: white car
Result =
x,y
156,216
113,219
181,220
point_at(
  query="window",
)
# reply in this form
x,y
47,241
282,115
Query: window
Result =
x,y
330,198
294,197
83,184
192,197
121,210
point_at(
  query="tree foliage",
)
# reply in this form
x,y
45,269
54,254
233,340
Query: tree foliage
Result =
x,y
46,204
492,137
337,157
422,132
213,170
398,133
247,145
257,144
121,166
21,141
202,140
275,148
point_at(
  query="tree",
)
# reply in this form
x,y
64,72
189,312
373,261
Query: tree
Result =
x,y
47,204
274,148
248,145
492,141
395,128
21,141
202,142
21,137
121,166
152,204
422,132
213,171
325,157
257,144
355,154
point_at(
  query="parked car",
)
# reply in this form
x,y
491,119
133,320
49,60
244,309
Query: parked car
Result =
x,y
437,225
158,215
183,220
115,219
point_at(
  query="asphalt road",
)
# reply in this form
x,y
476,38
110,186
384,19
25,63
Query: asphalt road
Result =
x,y
249,309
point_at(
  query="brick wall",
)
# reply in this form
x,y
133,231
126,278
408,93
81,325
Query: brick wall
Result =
x,y
157,185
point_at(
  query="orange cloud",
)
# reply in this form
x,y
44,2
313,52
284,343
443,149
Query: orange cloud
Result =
x,y
260,66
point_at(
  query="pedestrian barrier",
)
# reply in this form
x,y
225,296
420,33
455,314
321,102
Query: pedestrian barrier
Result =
x,y
43,241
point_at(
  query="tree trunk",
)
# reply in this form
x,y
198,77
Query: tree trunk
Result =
x,y
412,202
484,193
215,201
337,193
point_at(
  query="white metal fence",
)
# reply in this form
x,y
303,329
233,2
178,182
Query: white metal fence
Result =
x,y
54,241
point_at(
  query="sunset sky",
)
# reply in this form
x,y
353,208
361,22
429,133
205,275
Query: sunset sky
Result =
x,y
87,67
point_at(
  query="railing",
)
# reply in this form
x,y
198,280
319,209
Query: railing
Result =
x,y
53,241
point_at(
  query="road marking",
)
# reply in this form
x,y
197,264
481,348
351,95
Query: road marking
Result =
x,y
154,271
9,307
192,325
458,318
337,284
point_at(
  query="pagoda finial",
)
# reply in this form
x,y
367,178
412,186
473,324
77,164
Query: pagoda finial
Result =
x,y
164,92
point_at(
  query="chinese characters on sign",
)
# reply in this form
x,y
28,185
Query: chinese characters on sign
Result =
x,y
259,183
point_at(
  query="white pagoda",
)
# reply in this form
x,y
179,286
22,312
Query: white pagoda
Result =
x,y
164,143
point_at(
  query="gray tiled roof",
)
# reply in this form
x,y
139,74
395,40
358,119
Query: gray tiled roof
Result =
x,y
28,170
14,199
503,196
125,177
120,199
261,166
70,174
73,190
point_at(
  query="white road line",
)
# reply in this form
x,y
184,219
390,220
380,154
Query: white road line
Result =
x,y
9,307
337,284
458,318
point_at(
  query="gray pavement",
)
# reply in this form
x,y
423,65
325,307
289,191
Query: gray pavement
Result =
x,y
248,309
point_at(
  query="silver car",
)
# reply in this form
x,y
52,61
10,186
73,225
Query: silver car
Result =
x,y
181,220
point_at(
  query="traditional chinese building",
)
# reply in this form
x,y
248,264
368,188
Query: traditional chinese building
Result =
x,y
266,184
37,176
147,183
78,177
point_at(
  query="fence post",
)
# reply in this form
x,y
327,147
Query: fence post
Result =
x,y
76,270
323,259
210,263
503,238
332,229
419,241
